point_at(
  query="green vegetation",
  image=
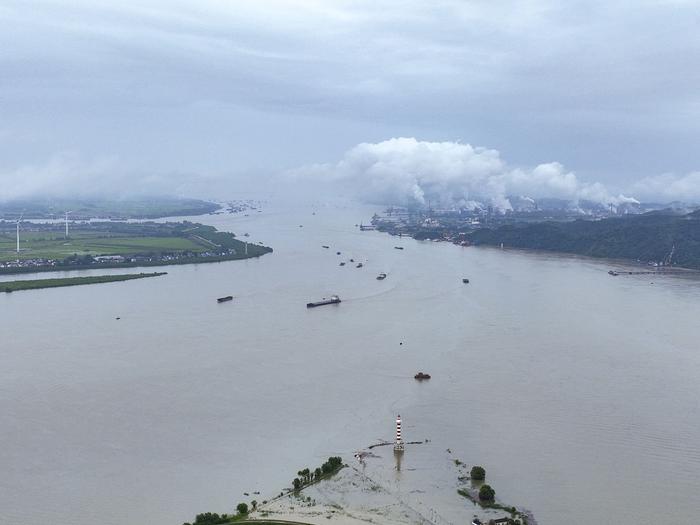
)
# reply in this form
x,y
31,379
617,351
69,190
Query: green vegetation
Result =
x,y
478,473
45,247
306,476
652,237
486,493
14,286
145,208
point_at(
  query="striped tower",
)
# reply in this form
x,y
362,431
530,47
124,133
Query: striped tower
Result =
x,y
398,444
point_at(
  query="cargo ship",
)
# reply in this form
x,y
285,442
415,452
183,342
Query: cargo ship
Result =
x,y
224,299
333,300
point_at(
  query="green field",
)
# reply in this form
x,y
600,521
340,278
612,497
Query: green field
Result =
x,y
45,247
54,245
36,284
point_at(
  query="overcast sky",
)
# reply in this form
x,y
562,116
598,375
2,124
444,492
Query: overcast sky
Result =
x,y
202,95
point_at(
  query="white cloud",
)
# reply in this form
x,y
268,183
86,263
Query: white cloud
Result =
x,y
406,170
670,187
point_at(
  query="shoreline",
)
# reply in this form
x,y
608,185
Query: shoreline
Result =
x,y
139,264
659,270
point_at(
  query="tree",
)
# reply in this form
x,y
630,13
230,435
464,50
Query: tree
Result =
x,y
486,493
296,483
242,508
254,504
478,473
318,473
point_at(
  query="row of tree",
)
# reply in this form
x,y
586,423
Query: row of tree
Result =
x,y
212,518
306,476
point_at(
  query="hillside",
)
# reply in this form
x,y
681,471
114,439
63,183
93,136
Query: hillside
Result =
x,y
652,237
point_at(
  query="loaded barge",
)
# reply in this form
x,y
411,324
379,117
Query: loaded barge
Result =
x,y
333,300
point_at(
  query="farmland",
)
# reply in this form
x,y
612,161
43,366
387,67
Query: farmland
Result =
x,y
115,244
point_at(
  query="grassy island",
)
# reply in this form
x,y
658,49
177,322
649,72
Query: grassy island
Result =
x,y
89,245
36,284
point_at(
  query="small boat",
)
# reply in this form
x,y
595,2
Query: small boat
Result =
x,y
224,299
337,253
398,247
352,260
246,235
465,281
333,300
613,272
381,276
420,376
359,265
342,263
324,246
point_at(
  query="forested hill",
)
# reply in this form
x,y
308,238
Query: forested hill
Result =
x,y
651,237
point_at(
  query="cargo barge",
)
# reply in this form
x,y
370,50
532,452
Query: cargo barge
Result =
x,y
333,300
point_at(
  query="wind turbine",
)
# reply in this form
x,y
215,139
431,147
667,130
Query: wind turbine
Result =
x,y
67,222
18,221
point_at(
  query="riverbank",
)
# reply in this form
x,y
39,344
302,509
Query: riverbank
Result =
x,y
37,284
47,247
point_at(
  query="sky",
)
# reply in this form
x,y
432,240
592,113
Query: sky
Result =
x,y
212,97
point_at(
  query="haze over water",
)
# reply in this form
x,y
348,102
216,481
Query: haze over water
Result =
x,y
577,391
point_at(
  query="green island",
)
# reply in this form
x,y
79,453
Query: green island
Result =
x,y
80,209
36,284
483,495
94,245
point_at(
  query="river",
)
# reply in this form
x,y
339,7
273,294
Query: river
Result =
x,y
577,391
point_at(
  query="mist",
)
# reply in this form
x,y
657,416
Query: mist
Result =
x,y
407,171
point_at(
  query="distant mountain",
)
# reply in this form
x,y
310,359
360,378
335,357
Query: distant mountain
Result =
x,y
663,237
137,208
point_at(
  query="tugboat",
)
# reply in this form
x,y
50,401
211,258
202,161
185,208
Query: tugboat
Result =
x,y
420,376
381,276
224,299
465,281
333,300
